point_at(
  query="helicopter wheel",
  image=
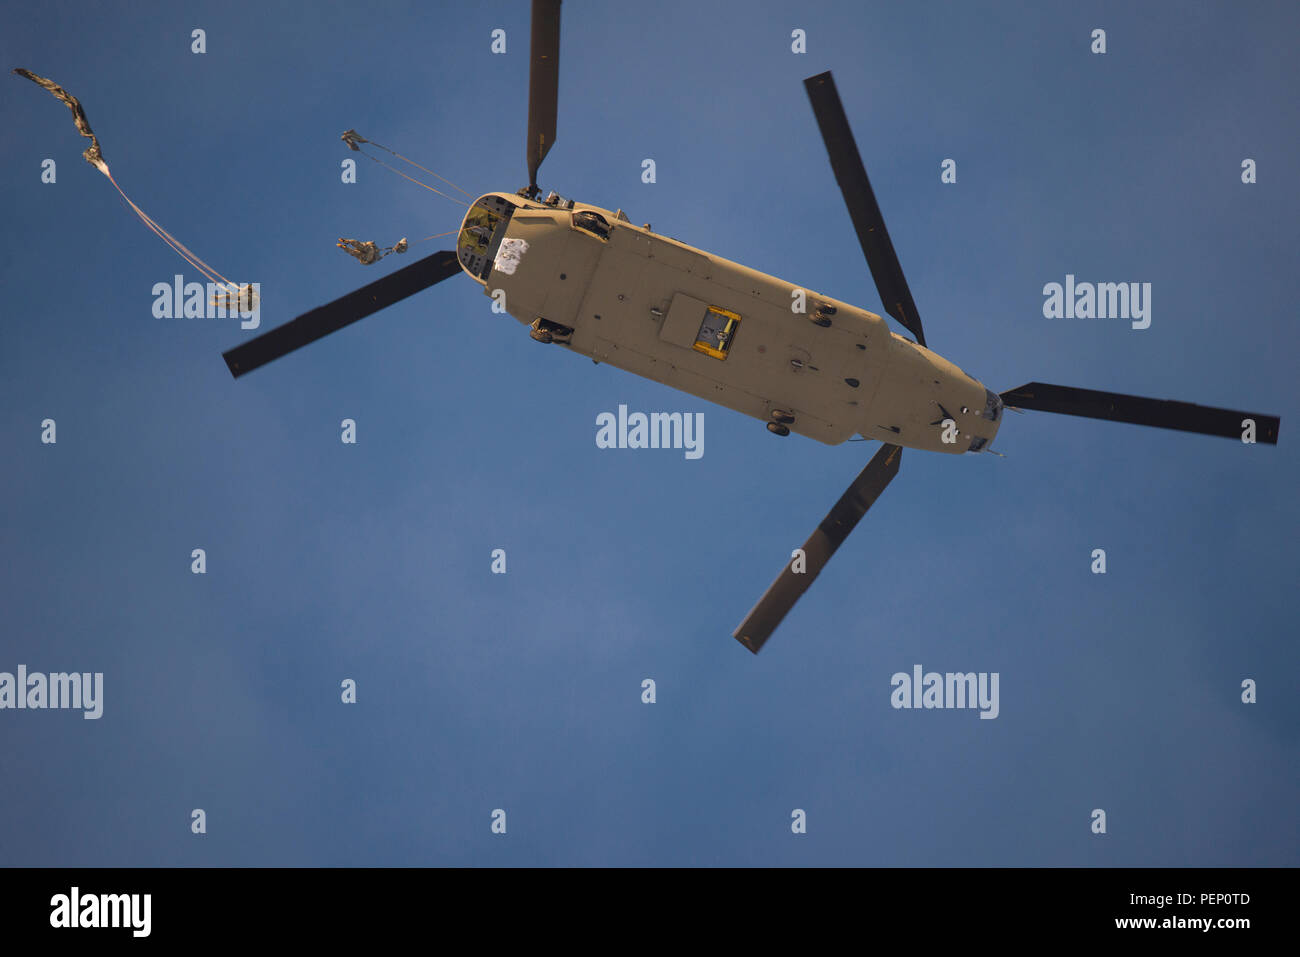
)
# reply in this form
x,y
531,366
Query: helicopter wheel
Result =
x,y
819,320
778,428
782,416
540,335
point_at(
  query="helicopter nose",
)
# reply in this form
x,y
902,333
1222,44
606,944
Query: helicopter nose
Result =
x,y
987,420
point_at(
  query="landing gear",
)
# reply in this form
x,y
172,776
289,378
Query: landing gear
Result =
x,y
778,428
822,317
543,330
782,416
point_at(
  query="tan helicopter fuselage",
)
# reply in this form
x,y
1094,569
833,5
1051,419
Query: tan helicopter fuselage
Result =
x,y
716,329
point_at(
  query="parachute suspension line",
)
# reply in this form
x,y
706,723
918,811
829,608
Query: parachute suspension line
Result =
x,y
181,249
450,232
418,166
353,139
375,159
231,294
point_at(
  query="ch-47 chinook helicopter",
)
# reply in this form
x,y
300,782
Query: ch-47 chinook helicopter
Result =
x,y
584,278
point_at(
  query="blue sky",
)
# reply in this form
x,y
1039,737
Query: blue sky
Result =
x,y
523,691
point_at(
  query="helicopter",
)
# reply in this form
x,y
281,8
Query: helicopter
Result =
x,y
586,279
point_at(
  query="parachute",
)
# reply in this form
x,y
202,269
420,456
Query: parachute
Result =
x,y
94,155
230,294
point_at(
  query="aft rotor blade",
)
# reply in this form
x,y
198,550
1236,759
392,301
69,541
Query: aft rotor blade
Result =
x,y
333,316
846,161
543,83
821,545
1160,413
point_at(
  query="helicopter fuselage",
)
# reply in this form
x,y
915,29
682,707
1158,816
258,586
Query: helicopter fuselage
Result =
x,y
589,280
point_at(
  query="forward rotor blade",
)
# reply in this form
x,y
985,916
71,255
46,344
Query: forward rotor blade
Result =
x,y
846,161
333,316
543,83
821,545
1160,413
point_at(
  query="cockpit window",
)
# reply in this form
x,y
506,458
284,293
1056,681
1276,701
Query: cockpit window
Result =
x,y
481,234
477,233
992,405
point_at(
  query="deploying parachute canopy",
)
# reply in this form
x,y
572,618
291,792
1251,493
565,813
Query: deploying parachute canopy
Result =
x,y
93,154
231,292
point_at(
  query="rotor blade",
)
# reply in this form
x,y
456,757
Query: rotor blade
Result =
x,y
1160,413
821,545
333,316
543,83
846,161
